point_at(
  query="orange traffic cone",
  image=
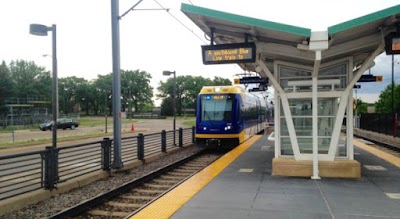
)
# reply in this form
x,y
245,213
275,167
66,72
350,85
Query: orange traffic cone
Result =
x,y
132,128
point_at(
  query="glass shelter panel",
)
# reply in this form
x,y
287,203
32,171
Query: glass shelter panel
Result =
x,y
299,80
301,110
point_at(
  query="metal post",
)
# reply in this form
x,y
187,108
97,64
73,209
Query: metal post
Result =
x,y
393,119
105,153
51,168
356,123
180,137
42,30
315,129
105,110
116,85
140,148
174,106
164,141
193,134
12,115
54,85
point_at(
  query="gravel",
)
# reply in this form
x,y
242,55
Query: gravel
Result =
x,y
62,201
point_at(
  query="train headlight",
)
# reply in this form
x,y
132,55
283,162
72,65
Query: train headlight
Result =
x,y
202,127
228,128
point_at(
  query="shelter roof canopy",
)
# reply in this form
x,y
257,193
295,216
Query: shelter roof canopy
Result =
x,y
357,37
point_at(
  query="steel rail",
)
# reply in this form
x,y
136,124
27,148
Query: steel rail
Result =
x,y
83,207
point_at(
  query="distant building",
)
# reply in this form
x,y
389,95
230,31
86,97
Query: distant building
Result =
x,y
371,109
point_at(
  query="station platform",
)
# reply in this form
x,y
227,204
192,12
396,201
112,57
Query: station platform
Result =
x,y
240,185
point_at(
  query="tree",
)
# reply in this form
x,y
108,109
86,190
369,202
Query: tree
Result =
x,y
86,97
26,80
103,86
30,80
359,106
67,90
187,89
6,86
136,89
384,104
221,81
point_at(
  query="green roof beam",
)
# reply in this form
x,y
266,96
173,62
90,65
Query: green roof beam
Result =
x,y
246,20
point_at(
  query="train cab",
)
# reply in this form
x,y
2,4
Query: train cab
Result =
x,y
226,116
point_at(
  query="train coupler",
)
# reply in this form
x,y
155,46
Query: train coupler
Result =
x,y
213,142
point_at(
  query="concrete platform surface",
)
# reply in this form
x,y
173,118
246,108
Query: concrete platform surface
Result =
x,y
247,189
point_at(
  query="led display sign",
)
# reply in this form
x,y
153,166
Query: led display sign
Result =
x,y
396,44
228,53
392,43
215,97
370,78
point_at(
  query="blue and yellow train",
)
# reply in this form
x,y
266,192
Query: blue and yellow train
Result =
x,y
226,116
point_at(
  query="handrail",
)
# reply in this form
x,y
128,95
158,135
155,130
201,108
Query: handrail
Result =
x,y
45,169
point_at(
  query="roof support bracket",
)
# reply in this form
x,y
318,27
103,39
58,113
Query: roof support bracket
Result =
x,y
212,36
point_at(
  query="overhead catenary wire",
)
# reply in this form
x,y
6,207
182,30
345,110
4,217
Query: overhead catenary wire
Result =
x,y
130,9
168,11
179,21
187,26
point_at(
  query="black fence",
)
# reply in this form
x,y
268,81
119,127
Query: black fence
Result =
x,y
44,169
384,123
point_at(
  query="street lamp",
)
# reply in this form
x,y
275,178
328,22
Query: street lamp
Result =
x,y
41,30
168,73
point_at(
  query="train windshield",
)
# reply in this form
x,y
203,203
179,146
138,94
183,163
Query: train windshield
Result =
x,y
216,107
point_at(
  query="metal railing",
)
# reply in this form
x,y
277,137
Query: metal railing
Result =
x,y
384,123
25,172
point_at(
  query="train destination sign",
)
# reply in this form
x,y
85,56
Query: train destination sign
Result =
x,y
228,53
251,80
370,78
392,43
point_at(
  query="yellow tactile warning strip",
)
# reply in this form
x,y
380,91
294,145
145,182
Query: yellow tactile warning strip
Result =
x,y
167,205
388,157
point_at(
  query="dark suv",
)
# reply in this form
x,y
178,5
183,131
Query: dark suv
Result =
x,y
61,124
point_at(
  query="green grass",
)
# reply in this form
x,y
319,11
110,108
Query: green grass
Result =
x,y
96,121
191,123
84,122
49,140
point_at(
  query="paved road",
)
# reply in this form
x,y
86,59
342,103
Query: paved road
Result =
x,y
141,126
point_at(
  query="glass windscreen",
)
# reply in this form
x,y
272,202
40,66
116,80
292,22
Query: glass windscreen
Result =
x,y
216,107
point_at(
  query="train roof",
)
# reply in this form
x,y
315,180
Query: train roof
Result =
x,y
232,89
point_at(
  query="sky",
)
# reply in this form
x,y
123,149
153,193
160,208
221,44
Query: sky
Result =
x,y
157,40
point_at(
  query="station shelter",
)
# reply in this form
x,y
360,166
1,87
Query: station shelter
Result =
x,y
313,74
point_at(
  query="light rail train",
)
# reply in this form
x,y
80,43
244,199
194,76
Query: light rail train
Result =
x,y
226,116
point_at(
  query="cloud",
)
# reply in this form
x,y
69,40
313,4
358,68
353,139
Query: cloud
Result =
x,y
383,67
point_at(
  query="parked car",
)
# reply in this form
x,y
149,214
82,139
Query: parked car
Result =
x,y
61,124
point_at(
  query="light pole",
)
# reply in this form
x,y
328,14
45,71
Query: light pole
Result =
x,y
392,84
394,119
167,73
105,109
41,30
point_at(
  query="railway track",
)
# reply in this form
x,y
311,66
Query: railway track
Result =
x,y
133,196
383,146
